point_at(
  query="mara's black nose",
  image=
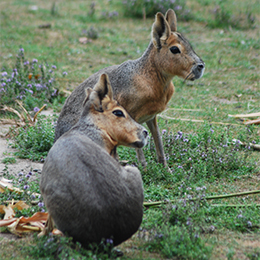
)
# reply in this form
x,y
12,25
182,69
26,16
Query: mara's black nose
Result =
x,y
201,66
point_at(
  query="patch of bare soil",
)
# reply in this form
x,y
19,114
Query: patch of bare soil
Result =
x,y
14,169
21,164
7,151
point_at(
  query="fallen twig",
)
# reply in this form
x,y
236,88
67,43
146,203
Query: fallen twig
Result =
x,y
157,203
195,120
254,146
235,205
253,122
10,109
25,111
246,115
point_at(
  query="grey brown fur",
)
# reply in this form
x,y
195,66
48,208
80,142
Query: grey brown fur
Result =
x,y
88,194
143,86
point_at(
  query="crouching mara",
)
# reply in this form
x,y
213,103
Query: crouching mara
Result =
x,y
88,194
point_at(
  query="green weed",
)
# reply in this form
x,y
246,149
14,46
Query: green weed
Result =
x,y
34,142
139,8
9,160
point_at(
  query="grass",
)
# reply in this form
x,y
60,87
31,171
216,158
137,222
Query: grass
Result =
x,y
223,36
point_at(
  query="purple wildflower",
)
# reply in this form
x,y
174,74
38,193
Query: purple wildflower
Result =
x,y
163,131
25,187
4,74
3,84
36,109
64,73
29,85
109,241
35,61
2,89
20,173
249,223
26,63
40,204
240,216
29,90
38,86
54,67
178,7
180,167
21,50
54,92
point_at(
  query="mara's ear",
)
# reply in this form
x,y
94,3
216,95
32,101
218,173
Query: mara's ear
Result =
x,y
103,87
160,30
102,91
171,19
87,92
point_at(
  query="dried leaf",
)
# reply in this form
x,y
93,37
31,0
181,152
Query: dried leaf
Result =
x,y
84,40
9,212
21,225
57,232
20,205
5,184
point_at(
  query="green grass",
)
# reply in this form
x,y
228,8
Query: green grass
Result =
x,y
226,37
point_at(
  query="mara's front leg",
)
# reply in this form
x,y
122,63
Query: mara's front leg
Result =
x,y
153,126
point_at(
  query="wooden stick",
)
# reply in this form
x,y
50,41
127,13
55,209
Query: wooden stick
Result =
x,y
232,195
253,122
14,111
35,116
157,203
182,109
26,112
254,146
235,205
246,115
196,120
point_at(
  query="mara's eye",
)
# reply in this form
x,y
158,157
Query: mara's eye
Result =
x,y
175,50
118,113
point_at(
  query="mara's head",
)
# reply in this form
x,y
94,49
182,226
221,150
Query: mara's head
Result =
x,y
115,124
174,54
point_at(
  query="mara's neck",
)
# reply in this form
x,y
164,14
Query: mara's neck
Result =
x,y
148,65
98,136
